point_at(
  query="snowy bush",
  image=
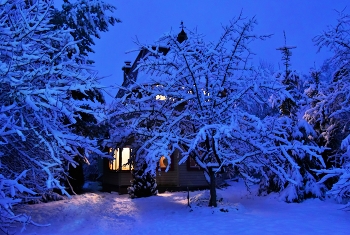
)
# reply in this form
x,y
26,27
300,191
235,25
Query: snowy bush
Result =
x,y
341,188
143,184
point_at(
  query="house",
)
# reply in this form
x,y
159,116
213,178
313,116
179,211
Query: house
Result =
x,y
117,174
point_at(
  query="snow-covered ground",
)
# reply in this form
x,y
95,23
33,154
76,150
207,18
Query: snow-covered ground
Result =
x,y
239,212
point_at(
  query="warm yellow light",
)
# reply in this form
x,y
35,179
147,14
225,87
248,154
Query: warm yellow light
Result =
x,y
114,164
163,162
125,158
160,97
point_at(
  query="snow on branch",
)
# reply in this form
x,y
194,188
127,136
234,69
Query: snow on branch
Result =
x,y
216,109
39,113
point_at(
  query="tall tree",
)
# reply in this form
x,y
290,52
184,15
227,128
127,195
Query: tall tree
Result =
x,y
298,132
330,114
86,19
203,99
38,76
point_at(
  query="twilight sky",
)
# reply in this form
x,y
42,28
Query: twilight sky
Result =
x,y
149,19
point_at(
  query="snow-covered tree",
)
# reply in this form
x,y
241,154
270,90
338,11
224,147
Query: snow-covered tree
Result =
x,y
38,75
206,101
290,79
87,19
330,114
296,131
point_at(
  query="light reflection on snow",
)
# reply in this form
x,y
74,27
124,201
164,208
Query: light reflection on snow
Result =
x,y
239,212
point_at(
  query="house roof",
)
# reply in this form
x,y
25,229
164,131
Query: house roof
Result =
x,y
131,73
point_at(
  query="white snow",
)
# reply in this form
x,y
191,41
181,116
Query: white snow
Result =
x,y
238,212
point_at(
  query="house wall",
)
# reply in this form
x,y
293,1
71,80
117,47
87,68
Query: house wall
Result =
x,y
171,177
194,178
181,177
178,177
115,180
167,178
167,181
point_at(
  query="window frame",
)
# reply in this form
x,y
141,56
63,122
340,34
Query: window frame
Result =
x,y
119,158
190,167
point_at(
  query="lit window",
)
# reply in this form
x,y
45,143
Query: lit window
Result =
x,y
163,162
160,97
123,159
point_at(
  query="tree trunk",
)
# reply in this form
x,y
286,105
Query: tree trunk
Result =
x,y
212,200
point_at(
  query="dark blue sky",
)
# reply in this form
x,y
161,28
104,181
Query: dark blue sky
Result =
x,y
148,20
